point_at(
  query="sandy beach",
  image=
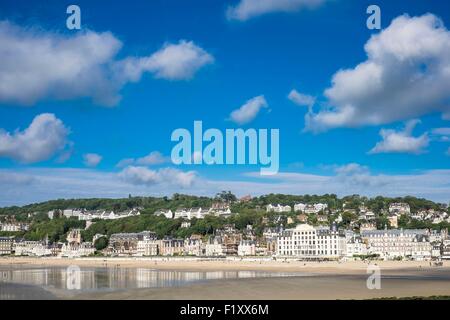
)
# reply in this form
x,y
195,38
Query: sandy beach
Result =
x,y
325,280
291,288
192,264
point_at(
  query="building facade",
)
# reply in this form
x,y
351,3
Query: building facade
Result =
x,y
308,242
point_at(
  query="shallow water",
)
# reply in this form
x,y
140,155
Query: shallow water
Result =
x,y
15,281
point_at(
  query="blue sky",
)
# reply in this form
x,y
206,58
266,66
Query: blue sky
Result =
x,y
257,52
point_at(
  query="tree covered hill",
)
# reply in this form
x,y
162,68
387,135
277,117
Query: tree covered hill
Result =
x,y
151,204
250,212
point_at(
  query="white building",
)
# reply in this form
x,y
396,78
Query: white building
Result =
x,y
188,214
388,244
399,208
354,245
83,249
278,208
32,248
247,248
88,215
299,207
14,226
167,213
185,224
315,208
308,242
193,246
221,212
214,247
147,247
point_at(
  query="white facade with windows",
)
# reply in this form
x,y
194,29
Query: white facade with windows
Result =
x,y
278,208
247,248
308,242
388,244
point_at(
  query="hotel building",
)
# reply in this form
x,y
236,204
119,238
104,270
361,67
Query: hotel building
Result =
x,y
413,243
308,242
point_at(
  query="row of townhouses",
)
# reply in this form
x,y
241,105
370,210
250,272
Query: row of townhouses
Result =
x,y
304,242
88,215
298,207
308,242
14,226
74,247
198,213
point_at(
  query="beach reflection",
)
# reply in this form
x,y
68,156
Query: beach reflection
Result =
x,y
116,278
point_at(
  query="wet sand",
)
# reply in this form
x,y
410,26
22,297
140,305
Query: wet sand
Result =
x,y
292,288
192,264
15,291
326,280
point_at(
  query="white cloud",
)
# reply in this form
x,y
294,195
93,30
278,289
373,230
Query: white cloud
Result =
x,y
37,64
247,9
351,169
441,131
92,159
401,141
13,178
301,99
172,62
249,110
354,174
45,136
443,134
153,158
166,176
406,75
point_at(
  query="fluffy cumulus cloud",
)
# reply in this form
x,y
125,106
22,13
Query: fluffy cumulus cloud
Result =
x,y
172,62
301,99
153,158
45,136
247,9
249,110
406,75
354,174
167,176
92,159
36,64
401,141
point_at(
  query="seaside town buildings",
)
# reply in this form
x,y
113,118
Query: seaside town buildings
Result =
x,y
358,237
354,245
308,242
310,208
198,213
278,208
74,247
6,245
88,215
399,208
398,243
14,226
304,242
